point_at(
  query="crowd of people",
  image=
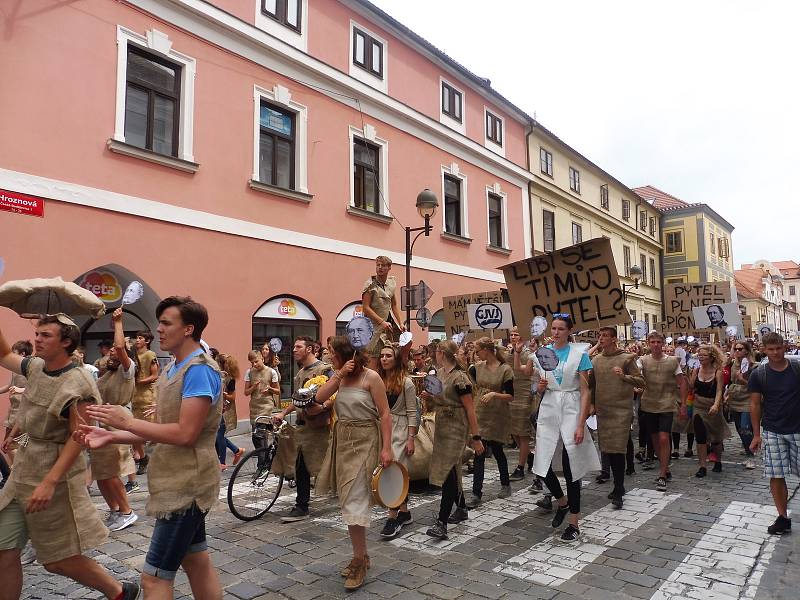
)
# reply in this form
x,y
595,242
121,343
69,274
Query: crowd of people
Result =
x,y
567,407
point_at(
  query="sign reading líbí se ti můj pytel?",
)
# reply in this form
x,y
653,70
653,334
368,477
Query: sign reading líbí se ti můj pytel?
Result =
x,y
580,280
681,298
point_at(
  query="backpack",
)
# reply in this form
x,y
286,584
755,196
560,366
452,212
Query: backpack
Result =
x,y
761,373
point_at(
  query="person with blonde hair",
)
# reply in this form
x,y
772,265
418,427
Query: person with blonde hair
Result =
x,y
230,373
379,303
494,388
402,397
710,427
260,385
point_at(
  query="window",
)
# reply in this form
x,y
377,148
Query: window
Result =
x,y
546,162
452,205
674,279
652,225
549,230
633,315
604,196
643,265
724,248
643,220
674,242
495,208
646,319
451,102
577,233
653,272
152,99
626,210
575,180
367,53
711,243
276,146
286,12
626,260
494,128
791,290
366,180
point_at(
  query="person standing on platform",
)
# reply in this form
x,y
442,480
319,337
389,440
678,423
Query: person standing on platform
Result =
x,y
379,302
614,377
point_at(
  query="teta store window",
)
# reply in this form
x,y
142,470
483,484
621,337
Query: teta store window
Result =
x,y
152,102
367,53
366,169
495,209
451,102
494,128
575,180
549,230
285,12
577,233
546,162
276,146
452,205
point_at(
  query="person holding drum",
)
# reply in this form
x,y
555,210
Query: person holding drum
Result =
x,y
494,388
456,425
566,400
402,397
362,437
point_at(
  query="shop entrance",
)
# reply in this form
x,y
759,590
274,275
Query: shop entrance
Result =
x,y
285,318
108,283
354,309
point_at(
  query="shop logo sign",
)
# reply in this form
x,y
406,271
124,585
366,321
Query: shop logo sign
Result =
x,y
102,284
287,308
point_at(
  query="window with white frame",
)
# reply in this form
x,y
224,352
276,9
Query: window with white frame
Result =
x,y
280,139
577,233
286,12
626,209
451,106
369,158
155,94
575,180
549,230
286,20
604,196
496,215
626,260
494,128
453,207
368,57
653,272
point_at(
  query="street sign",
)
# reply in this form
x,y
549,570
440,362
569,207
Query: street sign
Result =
x,y
423,317
414,297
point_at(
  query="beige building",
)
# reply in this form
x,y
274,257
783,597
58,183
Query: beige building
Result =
x,y
573,199
765,294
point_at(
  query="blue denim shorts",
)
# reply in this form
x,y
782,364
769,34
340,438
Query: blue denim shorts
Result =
x,y
172,540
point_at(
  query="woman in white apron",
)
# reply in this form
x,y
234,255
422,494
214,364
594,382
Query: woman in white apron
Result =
x,y
562,418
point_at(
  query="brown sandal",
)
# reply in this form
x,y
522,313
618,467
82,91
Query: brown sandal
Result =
x,y
348,569
358,572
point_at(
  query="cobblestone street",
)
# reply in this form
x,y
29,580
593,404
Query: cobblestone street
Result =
x,y
703,539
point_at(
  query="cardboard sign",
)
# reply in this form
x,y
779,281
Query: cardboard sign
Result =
x,y
764,328
588,336
456,314
718,316
681,298
490,316
580,280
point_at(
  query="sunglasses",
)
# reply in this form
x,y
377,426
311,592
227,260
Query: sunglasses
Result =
x,y
738,348
562,316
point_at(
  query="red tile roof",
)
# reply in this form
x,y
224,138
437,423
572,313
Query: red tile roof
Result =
x,y
748,282
660,199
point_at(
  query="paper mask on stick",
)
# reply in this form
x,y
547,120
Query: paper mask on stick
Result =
x,y
133,293
538,326
405,338
547,358
275,344
360,330
433,385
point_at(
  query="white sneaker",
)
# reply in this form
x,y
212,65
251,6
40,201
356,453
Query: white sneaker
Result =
x,y
749,464
111,519
28,555
124,521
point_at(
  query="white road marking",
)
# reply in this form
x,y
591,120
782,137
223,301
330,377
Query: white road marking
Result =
x,y
552,562
729,559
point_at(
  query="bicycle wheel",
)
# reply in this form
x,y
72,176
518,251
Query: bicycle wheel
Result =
x,y
253,487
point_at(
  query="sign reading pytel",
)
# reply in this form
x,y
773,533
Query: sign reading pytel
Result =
x,y
580,280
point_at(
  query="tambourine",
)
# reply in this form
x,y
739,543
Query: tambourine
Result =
x,y
390,485
305,396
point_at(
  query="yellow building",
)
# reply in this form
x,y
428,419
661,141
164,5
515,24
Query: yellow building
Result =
x,y
697,240
572,200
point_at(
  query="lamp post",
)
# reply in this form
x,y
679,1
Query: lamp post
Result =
x,y
426,206
635,274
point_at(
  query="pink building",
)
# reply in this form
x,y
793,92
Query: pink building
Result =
x,y
255,154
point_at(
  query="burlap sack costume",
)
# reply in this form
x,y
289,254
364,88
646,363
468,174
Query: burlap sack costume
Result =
x,y
404,415
352,455
381,303
114,460
522,404
261,398
181,476
419,462
738,396
144,395
229,411
494,417
452,427
71,524
14,400
613,398
660,394
716,426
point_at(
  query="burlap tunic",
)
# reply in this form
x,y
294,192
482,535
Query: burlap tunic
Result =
x,y
452,427
180,476
522,404
144,395
738,396
660,394
716,426
613,398
229,412
494,417
14,400
114,460
404,415
70,525
381,303
352,455
261,399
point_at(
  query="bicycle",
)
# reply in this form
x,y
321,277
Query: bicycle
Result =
x,y
253,487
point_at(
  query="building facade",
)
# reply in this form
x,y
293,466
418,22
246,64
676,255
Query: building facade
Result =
x,y
255,155
573,199
764,294
696,239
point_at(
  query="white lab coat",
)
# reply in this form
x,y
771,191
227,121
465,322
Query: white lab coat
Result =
x,y
558,417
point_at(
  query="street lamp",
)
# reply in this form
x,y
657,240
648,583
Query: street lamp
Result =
x,y
635,274
427,204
